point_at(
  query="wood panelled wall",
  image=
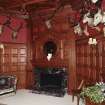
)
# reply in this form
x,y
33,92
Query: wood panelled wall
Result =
x,y
63,36
64,56
90,60
13,61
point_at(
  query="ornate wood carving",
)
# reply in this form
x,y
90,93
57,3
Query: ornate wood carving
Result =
x,y
13,62
90,60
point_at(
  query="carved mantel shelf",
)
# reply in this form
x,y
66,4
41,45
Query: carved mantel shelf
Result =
x,y
52,63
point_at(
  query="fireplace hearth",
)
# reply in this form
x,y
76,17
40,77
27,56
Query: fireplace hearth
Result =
x,y
50,81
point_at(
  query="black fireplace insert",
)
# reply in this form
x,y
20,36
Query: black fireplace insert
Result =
x,y
51,81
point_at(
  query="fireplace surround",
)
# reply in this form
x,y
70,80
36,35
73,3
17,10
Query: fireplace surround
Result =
x,y
50,81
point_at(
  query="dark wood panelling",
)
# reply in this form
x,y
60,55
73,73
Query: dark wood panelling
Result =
x,y
13,62
65,54
29,72
40,57
62,35
29,79
103,61
90,60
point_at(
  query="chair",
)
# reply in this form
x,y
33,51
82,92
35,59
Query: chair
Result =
x,y
76,92
7,84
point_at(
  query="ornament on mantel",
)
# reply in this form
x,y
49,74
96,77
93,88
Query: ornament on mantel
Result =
x,y
49,56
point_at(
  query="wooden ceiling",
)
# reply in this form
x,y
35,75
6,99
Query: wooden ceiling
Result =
x,y
17,3
24,6
36,4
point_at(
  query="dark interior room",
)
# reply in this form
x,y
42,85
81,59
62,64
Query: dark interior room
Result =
x,y
52,47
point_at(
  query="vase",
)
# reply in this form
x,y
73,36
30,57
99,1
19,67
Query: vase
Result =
x,y
89,102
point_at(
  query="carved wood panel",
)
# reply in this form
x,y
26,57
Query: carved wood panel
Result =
x,y
89,61
13,61
40,58
64,56
62,34
103,61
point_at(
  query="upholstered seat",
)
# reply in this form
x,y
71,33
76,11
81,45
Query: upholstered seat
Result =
x,y
7,84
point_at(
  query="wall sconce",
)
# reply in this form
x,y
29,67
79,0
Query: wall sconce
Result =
x,y
92,41
1,29
1,46
49,56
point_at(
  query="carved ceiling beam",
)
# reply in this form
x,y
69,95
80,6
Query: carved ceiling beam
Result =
x,y
15,14
27,3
